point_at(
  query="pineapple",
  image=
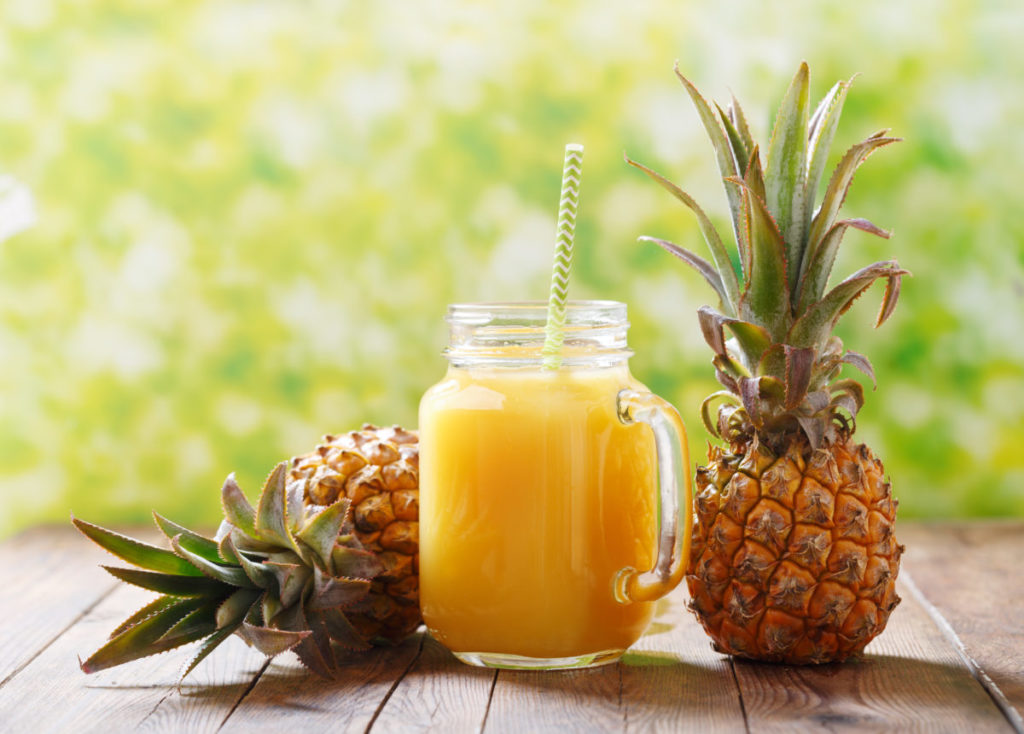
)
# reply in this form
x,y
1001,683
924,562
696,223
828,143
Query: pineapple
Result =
x,y
282,576
794,558
377,470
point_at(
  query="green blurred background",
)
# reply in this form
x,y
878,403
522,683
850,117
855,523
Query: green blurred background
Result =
x,y
252,215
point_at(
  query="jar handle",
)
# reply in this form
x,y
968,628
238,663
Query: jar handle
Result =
x,y
673,450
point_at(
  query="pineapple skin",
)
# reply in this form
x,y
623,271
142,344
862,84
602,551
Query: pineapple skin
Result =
x,y
794,555
378,470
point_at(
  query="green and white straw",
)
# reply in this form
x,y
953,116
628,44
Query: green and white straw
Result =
x,y
568,205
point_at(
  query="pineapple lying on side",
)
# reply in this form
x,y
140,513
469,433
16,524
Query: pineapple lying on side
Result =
x,y
794,557
307,570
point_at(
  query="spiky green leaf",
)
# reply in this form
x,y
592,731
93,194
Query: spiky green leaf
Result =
x,y
321,532
699,264
355,562
196,624
739,119
799,363
167,583
726,364
291,580
751,339
850,388
813,427
154,607
271,520
195,542
233,609
321,639
726,378
225,548
260,574
740,151
317,657
331,593
719,253
862,363
820,261
773,361
232,575
750,395
342,632
723,152
705,408
839,184
136,552
753,177
821,132
270,641
786,168
208,645
889,299
765,301
814,326
140,640
242,541
270,605
236,507
295,506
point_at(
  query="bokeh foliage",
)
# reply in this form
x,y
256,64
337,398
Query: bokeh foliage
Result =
x,y
252,214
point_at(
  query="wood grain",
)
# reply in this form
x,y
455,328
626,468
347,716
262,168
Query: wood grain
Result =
x,y
289,698
972,574
438,694
49,578
910,678
51,694
669,681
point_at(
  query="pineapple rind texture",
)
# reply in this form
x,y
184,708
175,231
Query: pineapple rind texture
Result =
x,y
377,470
794,558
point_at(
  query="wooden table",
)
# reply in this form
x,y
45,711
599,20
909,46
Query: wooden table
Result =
x,y
952,659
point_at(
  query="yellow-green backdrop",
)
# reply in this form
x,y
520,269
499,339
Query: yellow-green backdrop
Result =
x,y
253,212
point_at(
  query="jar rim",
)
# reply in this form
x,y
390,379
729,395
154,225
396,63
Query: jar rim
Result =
x,y
532,312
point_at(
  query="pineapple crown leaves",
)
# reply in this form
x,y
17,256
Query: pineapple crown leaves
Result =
x,y
780,363
280,576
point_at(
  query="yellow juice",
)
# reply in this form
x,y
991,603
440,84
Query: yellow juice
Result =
x,y
533,495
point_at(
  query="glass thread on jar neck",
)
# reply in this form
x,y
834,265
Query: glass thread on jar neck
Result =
x,y
511,334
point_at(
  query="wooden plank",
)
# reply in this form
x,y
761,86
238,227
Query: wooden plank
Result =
x,y
49,577
669,681
289,698
971,574
911,678
438,694
51,693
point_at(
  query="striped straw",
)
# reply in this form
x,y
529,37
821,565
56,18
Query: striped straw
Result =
x,y
568,205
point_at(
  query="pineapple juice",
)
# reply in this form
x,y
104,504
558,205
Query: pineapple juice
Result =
x,y
533,496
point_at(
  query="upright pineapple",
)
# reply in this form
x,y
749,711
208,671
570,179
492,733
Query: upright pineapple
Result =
x,y
794,558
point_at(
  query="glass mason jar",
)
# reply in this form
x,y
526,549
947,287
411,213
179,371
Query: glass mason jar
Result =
x,y
539,491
